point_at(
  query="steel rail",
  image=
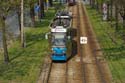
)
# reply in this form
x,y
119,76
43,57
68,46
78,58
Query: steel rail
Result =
x,y
93,46
80,53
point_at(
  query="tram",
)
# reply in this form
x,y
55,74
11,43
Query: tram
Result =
x,y
60,43
71,2
60,36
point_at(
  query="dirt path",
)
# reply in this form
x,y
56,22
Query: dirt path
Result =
x,y
96,68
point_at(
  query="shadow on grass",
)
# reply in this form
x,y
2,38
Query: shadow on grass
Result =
x,y
115,53
34,38
42,24
13,70
22,62
17,55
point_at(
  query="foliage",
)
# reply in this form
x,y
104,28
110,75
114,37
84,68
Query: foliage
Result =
x,y
6,7
30,2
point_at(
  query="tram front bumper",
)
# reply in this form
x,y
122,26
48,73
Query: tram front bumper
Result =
x,y
59,57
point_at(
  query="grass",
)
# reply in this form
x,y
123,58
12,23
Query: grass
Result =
x,y
25,64
111,43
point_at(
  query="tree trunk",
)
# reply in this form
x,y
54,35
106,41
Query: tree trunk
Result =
x,y
108,9
6,57
19,20
22,25
124,28
90,2
116,15
111,11
101,8
124,22
60,2
42,12
93,3
124,19
97,6
32,15
51,3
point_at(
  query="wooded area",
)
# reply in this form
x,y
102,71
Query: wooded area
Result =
x,y
8,6
115,10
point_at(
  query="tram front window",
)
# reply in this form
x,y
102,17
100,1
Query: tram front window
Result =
x,y
59,40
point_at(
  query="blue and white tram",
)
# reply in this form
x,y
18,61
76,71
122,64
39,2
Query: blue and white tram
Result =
x,y
61,44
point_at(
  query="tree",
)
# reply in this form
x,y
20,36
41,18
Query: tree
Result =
x,y
116,16
122,11
51,3
111,8
3,25
30,5
42,12
6,7
22,24
32,14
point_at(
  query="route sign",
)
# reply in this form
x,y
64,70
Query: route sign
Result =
x,y
83,40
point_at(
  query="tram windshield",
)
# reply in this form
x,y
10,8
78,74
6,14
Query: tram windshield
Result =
x,y
59,40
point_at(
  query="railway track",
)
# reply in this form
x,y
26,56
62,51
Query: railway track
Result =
x,y
75,67
54,72
94,65
58,73
79,46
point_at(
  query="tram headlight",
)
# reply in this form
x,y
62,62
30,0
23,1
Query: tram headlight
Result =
x,y
63,51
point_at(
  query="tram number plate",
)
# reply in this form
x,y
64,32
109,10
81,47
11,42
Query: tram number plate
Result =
x,y
83,40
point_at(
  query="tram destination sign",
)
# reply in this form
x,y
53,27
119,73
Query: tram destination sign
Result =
x,y
63,17
59,29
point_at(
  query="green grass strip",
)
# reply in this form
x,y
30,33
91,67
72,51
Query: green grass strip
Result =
x,y
111,43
